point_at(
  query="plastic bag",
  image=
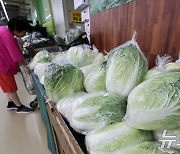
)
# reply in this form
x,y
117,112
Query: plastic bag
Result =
x,y
62,80
115,139
94,77
160,66
93,110
39,70
42,56
163,64
126,68
27,78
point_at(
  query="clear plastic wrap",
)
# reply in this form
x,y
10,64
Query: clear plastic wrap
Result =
x,y
64,105
39,70
94,77
42,56
178,61
93,110
27,78
126,68
82,55
62,80
115,139
155,103
160,66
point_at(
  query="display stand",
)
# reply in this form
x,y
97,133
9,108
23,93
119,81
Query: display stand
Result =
x,y
40,92
62,139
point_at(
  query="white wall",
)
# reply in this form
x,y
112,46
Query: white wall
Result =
x,y
70,7
59,17
62,16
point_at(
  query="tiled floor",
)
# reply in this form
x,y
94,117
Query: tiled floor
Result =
x,y
21,133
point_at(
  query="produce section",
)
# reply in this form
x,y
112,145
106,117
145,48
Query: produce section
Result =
x,y
113,113
100,76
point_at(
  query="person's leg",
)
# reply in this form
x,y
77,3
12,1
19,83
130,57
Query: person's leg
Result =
x,y
9,100
15,103
8,85
12,96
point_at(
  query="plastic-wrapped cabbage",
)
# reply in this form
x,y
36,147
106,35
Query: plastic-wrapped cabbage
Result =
x,y
42,80
94,77
39,70
155,103
126,68
87,69
159,136
81,57
163,64
115,139
148,148
178,61
160,62
61,55
172,67
64,105
62,80
41,57
93,110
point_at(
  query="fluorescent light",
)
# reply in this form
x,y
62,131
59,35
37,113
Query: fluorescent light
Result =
x,y
4,9
48,16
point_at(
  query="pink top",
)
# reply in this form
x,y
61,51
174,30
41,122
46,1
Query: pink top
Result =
x,y
10,53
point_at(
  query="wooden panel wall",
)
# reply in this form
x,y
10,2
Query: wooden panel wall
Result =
x,y
108,28
157,23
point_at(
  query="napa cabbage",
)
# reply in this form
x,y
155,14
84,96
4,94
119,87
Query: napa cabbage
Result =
x,y
94,77
115,139
62,80
93,110
126,68
155,103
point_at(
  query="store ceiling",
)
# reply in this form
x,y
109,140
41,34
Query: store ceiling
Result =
x,y
15,8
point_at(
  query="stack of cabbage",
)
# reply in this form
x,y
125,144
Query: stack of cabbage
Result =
x,y
39,63
119,138
110,102
152,105
82,55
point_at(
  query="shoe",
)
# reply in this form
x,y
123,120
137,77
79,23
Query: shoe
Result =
x,y
24,109
11,106
33,104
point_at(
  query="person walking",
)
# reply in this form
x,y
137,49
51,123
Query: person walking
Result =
x,y
10,59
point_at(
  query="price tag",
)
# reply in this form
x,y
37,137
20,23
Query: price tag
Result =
x,y
76,16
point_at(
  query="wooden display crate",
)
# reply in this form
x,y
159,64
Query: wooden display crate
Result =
x,y
63,137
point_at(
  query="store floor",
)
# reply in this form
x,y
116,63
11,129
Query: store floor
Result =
x,y
21,133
